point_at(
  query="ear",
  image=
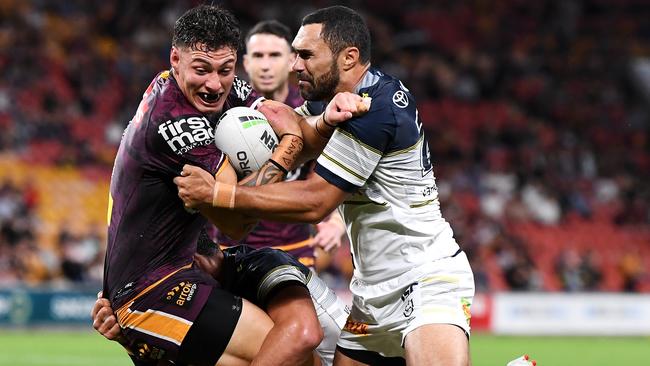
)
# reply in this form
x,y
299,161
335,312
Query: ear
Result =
x,y
174,57
349,58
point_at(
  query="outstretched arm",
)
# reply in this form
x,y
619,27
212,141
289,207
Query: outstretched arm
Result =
x,y
308,200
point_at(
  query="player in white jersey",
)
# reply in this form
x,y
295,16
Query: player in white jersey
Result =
x,y
412,284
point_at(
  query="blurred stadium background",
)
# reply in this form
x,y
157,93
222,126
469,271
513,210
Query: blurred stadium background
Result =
x,y
538,118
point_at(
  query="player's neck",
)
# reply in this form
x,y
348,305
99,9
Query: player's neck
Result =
x,y
352,78
280,94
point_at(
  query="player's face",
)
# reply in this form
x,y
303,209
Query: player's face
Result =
x,y
316,67
268,62
204,77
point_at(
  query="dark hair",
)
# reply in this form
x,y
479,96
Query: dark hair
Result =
x,y
207,26
205,245
342,27
270,27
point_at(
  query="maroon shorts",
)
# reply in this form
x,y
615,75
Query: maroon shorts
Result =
x,y
174,319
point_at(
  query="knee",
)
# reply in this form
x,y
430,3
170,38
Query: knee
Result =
x,y
306,333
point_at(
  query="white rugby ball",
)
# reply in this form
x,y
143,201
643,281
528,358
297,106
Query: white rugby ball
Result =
x,y
246,137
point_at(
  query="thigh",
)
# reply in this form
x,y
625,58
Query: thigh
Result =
x,y
442,295
249,334
340,359
213,329
437,344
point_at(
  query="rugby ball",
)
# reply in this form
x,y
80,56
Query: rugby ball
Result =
x,y
246,137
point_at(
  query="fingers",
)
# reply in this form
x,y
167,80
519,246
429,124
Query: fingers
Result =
x,y
335,117
106,324
363,106
346,105
332,245
100,303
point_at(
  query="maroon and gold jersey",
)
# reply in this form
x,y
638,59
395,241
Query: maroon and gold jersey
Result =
x,y
150,233
290,237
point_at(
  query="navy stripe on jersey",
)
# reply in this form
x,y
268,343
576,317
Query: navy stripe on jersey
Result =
x,y
334,179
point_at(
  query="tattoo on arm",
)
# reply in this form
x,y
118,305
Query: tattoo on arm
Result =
x,y
267,174
291,151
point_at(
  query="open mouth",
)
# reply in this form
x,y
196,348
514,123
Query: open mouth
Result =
x,y
209,98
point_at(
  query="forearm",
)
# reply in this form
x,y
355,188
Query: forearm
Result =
x,y
315,134
289,201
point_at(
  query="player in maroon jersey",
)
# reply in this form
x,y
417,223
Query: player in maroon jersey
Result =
x,y
167,308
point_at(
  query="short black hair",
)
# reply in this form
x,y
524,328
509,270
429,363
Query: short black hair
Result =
x,y
271,27
209,27
342,27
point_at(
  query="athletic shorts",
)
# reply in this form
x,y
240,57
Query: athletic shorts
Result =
x,y
383,314
332,313
184,318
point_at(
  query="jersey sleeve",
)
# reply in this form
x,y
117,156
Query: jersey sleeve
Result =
x,y
310,108
355,148
241,95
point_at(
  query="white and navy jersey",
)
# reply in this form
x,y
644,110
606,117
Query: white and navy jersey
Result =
x,y
393,215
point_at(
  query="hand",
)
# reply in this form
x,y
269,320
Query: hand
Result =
x,y
329,234
282,118
104,320
344,106
195,186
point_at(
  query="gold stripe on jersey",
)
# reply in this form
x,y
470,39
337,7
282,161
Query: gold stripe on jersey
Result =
x,y
158,324
307,261
124,310
423,203
285,247
447,279
410,148
110,209
340,165
223,166
363,144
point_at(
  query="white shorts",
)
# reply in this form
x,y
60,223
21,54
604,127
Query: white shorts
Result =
x,y
332,313
439,292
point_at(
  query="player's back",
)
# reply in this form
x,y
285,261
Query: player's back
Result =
x,y
150,233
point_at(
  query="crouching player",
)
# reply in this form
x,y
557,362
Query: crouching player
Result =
x,y
266,277
262,276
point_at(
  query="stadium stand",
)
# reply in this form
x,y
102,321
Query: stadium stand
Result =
x,y
538,124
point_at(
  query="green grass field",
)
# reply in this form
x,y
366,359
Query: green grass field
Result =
x,y
49,348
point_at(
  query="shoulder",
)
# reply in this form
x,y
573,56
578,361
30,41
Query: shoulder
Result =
x,y
392,104
389,95
170,102
241,94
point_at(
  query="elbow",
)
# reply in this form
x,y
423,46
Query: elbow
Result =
x,y
318,211
316,214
